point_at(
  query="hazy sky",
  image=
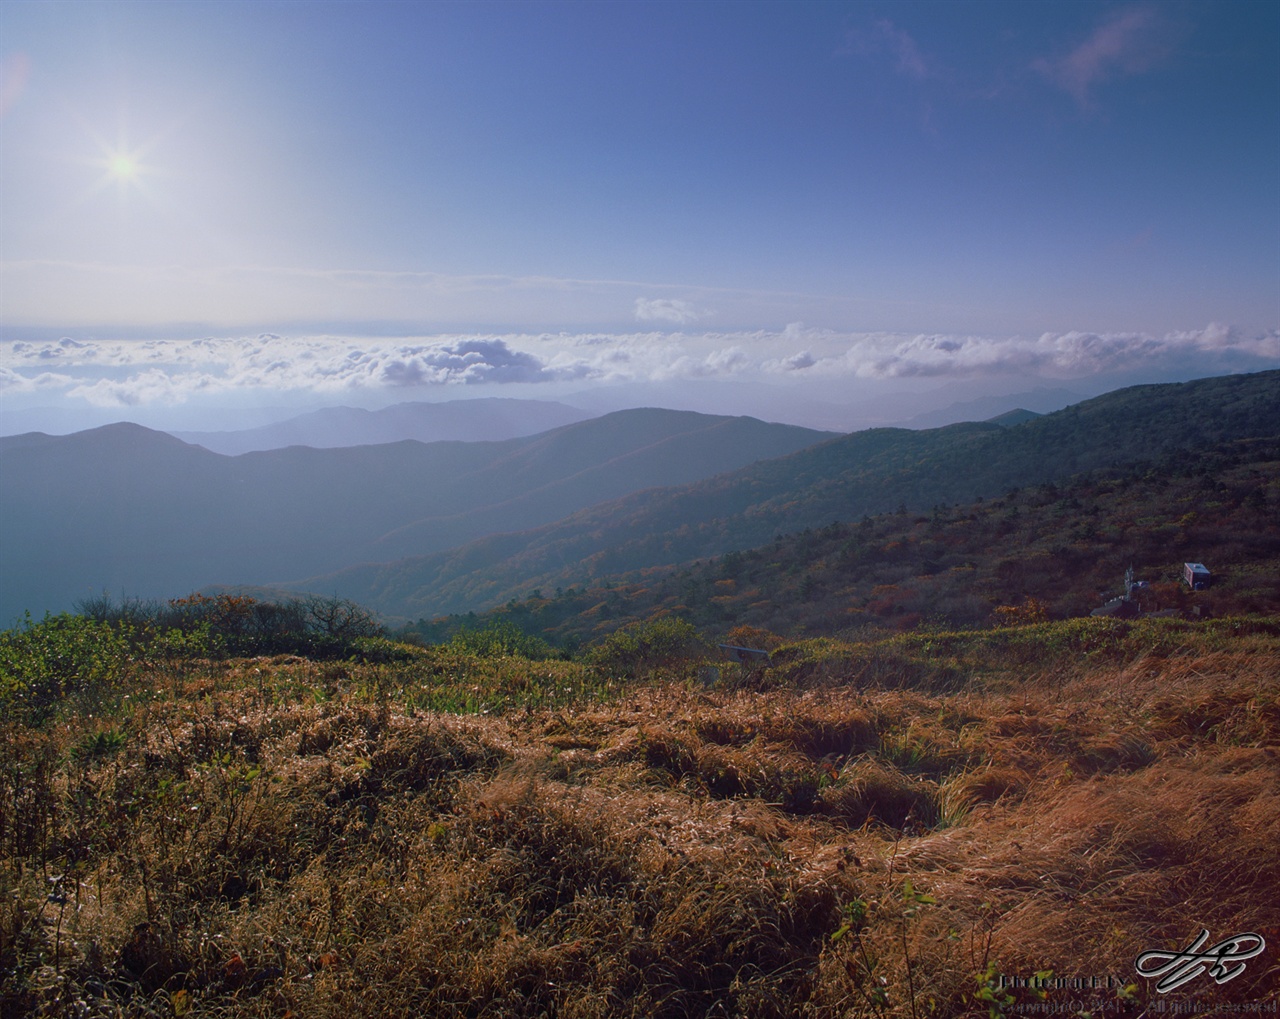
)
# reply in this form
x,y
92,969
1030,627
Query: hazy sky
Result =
x,y
203,200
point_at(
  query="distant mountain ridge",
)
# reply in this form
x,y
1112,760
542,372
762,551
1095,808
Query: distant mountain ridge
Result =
x,y
994,408
842,479
140,513
479,420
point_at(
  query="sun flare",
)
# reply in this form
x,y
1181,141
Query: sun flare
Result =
x,y
123,167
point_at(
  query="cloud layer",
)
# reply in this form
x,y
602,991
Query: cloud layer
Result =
x,y
129,373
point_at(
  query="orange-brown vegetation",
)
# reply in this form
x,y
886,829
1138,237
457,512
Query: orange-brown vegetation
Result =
x,y
856,830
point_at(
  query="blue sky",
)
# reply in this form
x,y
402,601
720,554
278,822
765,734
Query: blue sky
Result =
x,y
557,195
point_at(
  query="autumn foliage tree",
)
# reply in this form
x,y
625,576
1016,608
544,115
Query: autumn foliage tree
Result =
x,y
1033,610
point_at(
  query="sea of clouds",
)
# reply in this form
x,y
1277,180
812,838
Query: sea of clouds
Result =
x,y
128,373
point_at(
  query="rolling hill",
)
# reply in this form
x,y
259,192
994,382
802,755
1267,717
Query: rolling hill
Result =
x,y
143,514
842,479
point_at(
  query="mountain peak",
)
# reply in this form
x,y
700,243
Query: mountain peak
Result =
x,y
1017,416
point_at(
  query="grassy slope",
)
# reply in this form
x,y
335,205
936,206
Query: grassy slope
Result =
x,y
861,830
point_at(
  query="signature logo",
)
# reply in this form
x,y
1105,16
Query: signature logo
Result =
x,y
1224,961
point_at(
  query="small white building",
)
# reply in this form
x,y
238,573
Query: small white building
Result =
x,y
1196,575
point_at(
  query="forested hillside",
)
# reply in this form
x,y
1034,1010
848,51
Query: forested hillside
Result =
x,y
844,479
1047,551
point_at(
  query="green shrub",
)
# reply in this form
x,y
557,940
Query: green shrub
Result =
x,y
639,649
499,639
60,656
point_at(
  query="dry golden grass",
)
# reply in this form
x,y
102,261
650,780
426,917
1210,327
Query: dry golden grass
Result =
x,y
823,851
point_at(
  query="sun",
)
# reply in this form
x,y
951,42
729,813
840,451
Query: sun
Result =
x,y
119,166
123,167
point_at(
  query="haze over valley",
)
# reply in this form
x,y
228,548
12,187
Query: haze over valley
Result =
x,y
138,513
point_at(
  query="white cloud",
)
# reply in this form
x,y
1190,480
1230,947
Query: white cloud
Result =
x,y
172,371
470,362
661,309
14,382
1061,355
798,362
153,386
